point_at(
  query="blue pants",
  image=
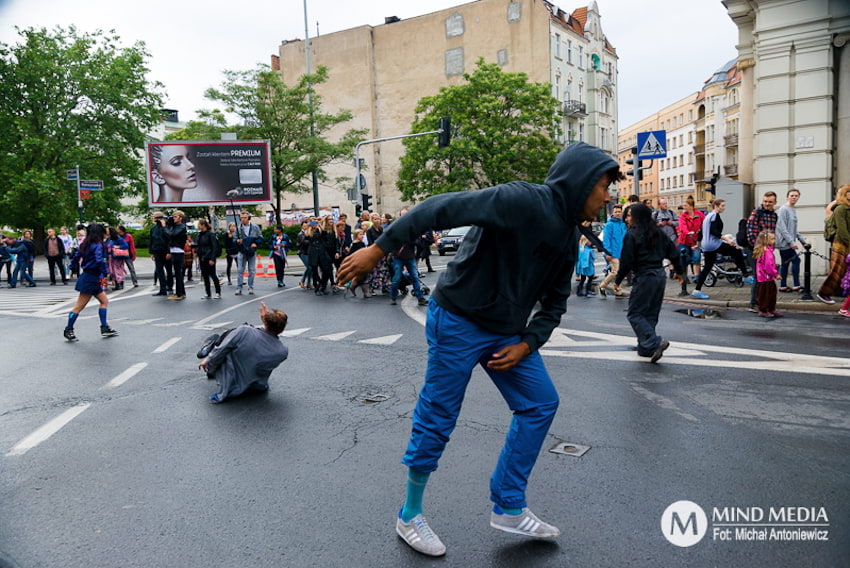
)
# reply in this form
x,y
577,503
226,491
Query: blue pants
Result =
x,y
398,267
645,300
789,256
22,271
455,346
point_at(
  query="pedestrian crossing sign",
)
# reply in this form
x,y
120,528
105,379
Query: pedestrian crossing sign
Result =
x,y
652,145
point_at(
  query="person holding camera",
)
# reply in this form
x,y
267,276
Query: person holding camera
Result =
x,y
176,234
248,238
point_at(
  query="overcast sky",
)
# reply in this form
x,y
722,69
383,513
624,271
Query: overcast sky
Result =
x,y
667,48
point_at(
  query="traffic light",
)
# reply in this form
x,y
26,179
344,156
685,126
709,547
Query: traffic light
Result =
x,y
446,134
358,209
712,184
367,202
635,163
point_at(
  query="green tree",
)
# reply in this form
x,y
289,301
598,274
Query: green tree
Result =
x,y
503,129
69,98
269,109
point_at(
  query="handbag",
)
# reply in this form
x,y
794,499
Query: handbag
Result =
x,y
121,253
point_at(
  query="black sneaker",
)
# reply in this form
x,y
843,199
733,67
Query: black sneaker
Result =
x,y
392,302
69,334
423,302
106,331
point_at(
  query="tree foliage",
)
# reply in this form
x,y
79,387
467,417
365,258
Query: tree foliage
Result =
x,y
69,98
268,109
503,129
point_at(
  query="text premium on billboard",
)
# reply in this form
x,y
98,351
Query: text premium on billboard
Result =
x,y
208,172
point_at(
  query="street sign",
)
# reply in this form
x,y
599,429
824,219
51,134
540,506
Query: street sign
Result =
x,y
91,184
85,194
71,174
652,145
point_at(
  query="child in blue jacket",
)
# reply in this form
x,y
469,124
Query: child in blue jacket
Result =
x,y
585,268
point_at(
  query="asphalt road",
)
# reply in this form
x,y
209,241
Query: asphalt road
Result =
x,y
143,471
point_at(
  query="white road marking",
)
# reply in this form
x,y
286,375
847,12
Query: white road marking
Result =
x,y
409,305
335,336
142,322
211,326
294,332
47,430
174,323
166,345
662,401
242,304
124,377
385,340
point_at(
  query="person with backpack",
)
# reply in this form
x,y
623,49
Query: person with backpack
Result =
x,y
837,226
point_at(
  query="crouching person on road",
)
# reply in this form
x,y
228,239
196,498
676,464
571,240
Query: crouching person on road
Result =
x,y
246,357
644,249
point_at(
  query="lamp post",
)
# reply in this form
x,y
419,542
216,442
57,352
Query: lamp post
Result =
x,y
310,104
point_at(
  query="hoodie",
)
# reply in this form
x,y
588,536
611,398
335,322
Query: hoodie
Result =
x,y
521,249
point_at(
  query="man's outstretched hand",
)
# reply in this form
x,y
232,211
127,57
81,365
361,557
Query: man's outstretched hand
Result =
x,y
507,357
357,265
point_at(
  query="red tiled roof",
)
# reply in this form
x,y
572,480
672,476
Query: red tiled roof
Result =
x,y
580,14
575,21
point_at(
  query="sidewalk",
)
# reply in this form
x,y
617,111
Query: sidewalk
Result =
x,y
725,295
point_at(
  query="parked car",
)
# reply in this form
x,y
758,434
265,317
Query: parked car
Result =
x,y
450,241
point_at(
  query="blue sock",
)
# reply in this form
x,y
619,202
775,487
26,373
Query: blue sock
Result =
x,y
416,481
72,319
502,511
102,313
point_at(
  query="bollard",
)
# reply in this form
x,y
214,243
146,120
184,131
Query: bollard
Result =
x,y
807,273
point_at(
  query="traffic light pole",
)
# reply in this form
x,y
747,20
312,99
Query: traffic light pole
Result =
x,y
357,162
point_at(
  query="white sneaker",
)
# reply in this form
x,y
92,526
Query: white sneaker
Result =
x,y
526,524
419,536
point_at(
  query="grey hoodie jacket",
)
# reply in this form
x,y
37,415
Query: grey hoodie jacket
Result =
x,y
521,249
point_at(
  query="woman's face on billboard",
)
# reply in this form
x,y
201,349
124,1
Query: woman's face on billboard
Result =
x,y
176,168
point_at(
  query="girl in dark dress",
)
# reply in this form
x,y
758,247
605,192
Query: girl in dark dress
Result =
x,y
92,281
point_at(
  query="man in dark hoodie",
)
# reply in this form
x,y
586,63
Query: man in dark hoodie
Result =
x,y
479,314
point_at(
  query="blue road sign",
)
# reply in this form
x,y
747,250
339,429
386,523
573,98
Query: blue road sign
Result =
x,y
652,145
91,184
71,174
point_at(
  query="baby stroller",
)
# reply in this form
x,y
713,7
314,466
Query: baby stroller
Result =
x,y
405,282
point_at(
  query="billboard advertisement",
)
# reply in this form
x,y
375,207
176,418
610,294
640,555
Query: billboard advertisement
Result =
x,y
198,173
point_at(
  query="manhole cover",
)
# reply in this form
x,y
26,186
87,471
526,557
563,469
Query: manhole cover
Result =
x,y
372,398
569,449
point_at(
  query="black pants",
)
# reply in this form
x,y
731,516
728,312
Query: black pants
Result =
x,y
322,273
645,300
208,273
279,265
54,262
162,271
711,260
8,265
177,270
230,261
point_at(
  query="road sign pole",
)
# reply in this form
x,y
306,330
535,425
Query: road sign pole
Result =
x,y
79,197
636,177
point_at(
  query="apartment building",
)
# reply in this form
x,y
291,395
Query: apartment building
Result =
x,y
381,72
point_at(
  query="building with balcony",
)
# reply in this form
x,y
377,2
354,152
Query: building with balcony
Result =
x,y
794,115
380,73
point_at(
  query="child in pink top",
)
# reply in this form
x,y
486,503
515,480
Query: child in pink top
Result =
x,y
766,274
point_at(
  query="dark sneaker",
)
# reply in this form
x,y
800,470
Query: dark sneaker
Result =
x,y
526,524
824,298
393,302
69,334
659,351
106,331
419,536
423,302
238,292
250,291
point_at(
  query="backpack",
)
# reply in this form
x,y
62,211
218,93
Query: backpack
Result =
x,y
741,236
830,228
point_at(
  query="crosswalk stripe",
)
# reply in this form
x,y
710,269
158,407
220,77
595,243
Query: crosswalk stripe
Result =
x,y
294,332
335,336
385,340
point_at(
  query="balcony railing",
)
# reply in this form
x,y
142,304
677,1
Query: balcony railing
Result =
x,y
731,170
575,108
699,149
731,140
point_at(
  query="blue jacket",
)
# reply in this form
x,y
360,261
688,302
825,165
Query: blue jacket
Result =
x,y
92,259
586,258
284,245
615,232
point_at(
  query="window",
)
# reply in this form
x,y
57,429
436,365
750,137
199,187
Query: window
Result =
x,y
682,161
454,25
569,51
610,69
603,132
502,57
581,129
454,62
558,86
558,46
568,91
681,139
690,137
581,57
690,158
514,12
690,114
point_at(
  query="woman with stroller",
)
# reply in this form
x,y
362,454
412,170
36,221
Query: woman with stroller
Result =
x,y
714,242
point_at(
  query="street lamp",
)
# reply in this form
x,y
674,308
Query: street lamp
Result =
x,y
310,104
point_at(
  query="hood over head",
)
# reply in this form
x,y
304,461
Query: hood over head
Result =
x,y
575,171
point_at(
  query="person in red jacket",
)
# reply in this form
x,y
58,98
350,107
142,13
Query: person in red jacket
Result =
x,y
689,231
129,260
